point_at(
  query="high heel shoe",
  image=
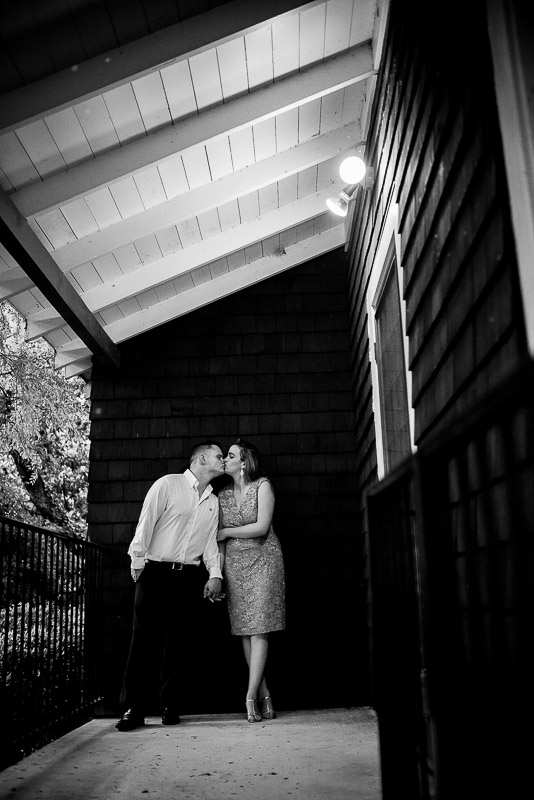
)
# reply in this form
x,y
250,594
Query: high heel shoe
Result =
x,y
267,709
253,712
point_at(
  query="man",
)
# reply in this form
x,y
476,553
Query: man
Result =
x,y
177,529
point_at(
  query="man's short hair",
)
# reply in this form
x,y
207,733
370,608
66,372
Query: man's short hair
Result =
x,y
201,448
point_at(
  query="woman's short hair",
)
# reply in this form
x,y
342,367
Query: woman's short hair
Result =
x,y
250,456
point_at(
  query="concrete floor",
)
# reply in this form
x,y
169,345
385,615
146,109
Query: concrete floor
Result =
x,y
302,754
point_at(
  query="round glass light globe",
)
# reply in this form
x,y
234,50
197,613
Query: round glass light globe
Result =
x,y
352,170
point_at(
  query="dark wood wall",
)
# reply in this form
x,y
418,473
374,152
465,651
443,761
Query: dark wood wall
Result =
x,y
271,364
435,145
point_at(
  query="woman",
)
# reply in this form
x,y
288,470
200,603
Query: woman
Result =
x,y
253,568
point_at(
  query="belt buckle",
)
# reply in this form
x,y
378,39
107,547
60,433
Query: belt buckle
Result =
x,y
177,565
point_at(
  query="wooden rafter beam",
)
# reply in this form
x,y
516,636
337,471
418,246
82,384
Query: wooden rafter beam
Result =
x,y
209,196
241,112
24,246
229,283
141,57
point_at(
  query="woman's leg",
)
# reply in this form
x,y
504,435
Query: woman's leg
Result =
x,y
258,648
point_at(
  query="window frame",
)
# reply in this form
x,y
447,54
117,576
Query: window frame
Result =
x,y
387,258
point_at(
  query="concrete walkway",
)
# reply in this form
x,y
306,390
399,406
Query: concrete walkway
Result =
x,y
311,755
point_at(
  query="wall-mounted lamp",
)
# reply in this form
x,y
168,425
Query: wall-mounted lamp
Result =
x,y
340,205
352,171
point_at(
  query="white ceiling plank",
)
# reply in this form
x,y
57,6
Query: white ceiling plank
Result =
x,y
233,68
229,215
249,207
56,228
13,282
127,198
152,101
287,130
309,120
165,290
111,314
183,283
87,277
353,100
219,267
68,135
148,249
285,54
196,166
69,353
150,187
271,246
124,112
107,267
253,252
169,241
129,306
44,321
218,193
41,148
287,190
5,183
79,218
268,198
77,368
363,22
219,157
127,258
173,177
97,126
189,232
312,28
264,139
229,283
103,209
201,275
206,79
307,181
331,111
236,260
242,147
287,238
338,26
209,223
204,251
15,162
272,100
104,72
259,49
179,90
6,259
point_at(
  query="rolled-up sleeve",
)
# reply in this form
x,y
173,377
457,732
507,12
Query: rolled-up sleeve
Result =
x,y
153,507
211,556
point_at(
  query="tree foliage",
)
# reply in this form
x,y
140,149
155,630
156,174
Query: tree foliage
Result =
x,y
44,433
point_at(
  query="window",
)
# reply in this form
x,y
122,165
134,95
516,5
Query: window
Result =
x,y
388,354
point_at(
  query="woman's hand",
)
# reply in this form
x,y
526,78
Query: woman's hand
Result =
x,y
221,534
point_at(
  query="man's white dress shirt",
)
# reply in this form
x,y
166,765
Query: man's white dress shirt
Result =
x,y
176,524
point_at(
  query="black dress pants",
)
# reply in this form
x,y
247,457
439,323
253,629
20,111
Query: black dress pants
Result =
x,y
168,607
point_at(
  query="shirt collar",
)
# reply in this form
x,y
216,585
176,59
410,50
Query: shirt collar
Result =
x,y
192,480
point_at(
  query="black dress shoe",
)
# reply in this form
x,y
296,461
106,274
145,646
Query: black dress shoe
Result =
x,y
170,717
130,719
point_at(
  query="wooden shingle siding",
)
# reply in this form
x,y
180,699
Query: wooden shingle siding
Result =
x,y
435,146
272,364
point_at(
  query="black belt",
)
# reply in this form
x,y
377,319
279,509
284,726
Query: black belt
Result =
x,y
176,565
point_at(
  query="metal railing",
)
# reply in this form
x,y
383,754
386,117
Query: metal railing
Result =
x,y
451,536
49,615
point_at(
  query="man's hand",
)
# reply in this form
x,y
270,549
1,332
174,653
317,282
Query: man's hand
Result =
x,y
136,573
212,590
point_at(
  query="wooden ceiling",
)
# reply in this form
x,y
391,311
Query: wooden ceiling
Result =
x,y
156,155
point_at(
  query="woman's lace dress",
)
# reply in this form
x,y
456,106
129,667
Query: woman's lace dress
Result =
x,y
253,569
